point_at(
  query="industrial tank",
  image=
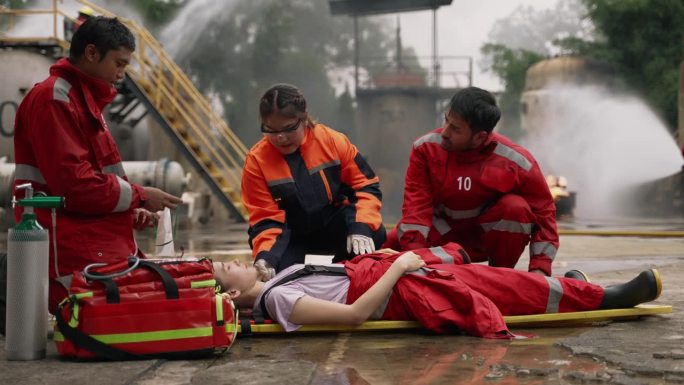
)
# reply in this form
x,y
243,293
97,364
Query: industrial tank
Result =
x,y
389,120
20,69
581,121
544,76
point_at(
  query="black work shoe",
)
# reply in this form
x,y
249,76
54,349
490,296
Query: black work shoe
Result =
x,y
577,274
647,286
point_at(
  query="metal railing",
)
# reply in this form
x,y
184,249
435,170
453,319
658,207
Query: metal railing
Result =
x,y
449,72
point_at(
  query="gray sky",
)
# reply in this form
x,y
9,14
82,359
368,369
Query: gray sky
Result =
x,y
463,27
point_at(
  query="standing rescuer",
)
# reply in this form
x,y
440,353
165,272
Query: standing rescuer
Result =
x,y
469,185
63,147
307,188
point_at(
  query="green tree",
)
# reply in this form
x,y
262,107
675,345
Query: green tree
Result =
x,y
511,65
244,48
643,40
156,12
536,30
15,3
522,39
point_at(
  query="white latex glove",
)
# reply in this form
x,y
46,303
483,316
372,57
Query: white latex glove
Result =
x,y
360,244
264,270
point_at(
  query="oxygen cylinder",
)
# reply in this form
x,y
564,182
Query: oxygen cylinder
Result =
x,y
27,281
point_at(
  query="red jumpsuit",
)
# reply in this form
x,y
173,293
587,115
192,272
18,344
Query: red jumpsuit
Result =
x,y
493,200
450,293
64,148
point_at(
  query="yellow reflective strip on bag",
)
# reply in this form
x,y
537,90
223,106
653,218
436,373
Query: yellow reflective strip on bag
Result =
x,y
87,294
233,327
219,308
206,283
73,321
160,335
58,337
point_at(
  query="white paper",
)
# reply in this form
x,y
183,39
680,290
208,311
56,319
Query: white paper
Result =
x,y
164,243
317,259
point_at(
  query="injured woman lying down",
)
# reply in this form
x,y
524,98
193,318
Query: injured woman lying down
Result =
x,y
437,287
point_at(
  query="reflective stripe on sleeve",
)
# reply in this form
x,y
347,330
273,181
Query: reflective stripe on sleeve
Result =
x,y
116,169
443,255
433,137
278,182
555,295
27,172
545,248
125,196
440,225
404,227
421,272
509,226
512,155
320,167
60,90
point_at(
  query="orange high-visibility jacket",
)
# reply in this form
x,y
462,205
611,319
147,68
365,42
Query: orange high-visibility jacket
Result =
x,y
296,193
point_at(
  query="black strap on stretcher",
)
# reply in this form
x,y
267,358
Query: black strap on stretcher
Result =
x,y
260,316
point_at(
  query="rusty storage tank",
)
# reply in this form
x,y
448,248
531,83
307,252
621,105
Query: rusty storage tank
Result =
x,y
558,71
680,109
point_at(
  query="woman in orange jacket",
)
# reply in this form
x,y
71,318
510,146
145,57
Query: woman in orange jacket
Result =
x,y
307,188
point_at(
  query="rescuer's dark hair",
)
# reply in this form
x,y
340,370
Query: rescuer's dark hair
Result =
x,y
284,99
106,33
477,107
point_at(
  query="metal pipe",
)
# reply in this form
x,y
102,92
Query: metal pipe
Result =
x,y
435,60
54,19
163,174
356,53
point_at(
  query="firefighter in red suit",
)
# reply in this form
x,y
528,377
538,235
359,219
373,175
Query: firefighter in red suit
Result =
x,y
63,147
468,185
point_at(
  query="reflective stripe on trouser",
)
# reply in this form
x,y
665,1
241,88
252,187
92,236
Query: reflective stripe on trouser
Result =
x,y
507,226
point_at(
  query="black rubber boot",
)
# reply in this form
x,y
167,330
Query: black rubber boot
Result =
x,y
645,287
577,274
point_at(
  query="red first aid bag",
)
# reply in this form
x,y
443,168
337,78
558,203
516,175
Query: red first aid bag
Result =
x,y
142,309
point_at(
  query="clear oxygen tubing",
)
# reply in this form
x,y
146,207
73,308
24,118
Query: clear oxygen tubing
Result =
x,y
54,244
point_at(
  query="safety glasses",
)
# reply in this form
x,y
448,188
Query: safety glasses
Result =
x,y
287,130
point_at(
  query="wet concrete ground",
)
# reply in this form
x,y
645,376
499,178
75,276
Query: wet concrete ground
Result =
x,y
647,351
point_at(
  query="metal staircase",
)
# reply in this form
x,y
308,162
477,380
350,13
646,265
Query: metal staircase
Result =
x,y
174,102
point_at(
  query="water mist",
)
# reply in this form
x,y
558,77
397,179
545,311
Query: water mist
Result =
x,y
604,143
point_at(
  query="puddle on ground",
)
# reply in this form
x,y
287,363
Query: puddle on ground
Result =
x,y
414,357
411,357
419,358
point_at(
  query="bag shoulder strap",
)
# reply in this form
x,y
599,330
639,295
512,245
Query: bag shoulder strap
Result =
x,y
100,349
306,270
